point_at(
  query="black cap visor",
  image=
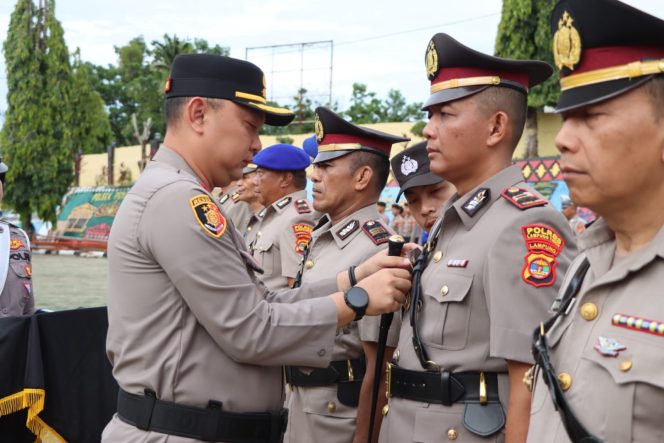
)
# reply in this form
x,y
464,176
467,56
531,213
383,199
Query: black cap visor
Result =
x,y
425,179
449,95
273,116
592,94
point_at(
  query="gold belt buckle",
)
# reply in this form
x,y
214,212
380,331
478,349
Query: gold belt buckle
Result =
x,y
351,376
483,397
388,379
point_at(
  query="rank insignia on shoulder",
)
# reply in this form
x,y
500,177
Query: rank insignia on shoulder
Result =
x,y
28,288
376,232
457,263
262,212
235,197
346,230
224,198
302,206
16,244
543,244
302,236
281,204
476,201
208,215
609,347
522,198
638,324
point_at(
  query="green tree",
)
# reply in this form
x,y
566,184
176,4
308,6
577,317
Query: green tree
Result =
x,y
524,33
165,52
36,136
364,106
395,108
91,128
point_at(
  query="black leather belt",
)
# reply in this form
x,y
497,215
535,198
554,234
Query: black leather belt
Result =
x,y
442,387
148,413
338,371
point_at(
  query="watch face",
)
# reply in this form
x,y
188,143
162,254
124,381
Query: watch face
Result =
x,y
358,298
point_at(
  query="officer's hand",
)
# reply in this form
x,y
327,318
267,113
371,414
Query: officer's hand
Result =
x,y
387,289
381,261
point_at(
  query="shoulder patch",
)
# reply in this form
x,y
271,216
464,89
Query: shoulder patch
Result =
x,y
302,206
476,201
208,215
522,198
281,204
376,232
302,236
15,244
235,197
224,198
346,230
543,244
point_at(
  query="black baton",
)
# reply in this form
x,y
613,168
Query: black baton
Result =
x,y
394,248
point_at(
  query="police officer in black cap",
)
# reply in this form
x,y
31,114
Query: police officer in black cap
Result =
x,y
600,356
196,348
491,265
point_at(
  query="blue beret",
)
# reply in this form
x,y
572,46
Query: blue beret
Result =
x,y
310,146
282,157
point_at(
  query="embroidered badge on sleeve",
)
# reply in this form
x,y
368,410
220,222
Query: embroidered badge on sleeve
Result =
x,y
543,244
302,236
208,215
16,244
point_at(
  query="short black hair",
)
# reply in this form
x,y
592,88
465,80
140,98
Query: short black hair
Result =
x,y
300,179
381,204
396,206
173,107
511,101
379,164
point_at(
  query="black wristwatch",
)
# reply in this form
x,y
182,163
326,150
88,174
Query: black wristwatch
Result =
x,y
357,299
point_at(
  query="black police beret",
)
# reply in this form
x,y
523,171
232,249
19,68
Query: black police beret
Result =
x,y
217,76
603,48
337,137
410,168
456,71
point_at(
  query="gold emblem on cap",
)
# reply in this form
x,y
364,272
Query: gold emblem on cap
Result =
x,y
566,43
431,60
318,126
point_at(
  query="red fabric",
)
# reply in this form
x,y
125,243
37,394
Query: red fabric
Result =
x,y
609,56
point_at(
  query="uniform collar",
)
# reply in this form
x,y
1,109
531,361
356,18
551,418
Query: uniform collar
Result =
x,y
598,243
284,202
474,204
172,158
347,229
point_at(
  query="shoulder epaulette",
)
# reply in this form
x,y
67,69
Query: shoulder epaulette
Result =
x,y
235,197
302,206
224,198
522,198
376,232
281,204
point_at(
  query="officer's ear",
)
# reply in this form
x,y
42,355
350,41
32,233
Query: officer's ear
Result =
x,y
500,129
195,112
363,176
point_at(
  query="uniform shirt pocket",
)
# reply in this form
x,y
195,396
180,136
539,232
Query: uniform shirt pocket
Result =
x,y
434,426
446,315
266,253
324,401
20,268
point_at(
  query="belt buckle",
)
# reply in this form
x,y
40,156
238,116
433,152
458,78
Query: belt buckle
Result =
x,y
351,376
388,380
483,395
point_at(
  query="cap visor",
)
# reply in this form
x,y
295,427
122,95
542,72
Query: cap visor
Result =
x,y
3,168
422,180
273,116
448,95
591,94
325,156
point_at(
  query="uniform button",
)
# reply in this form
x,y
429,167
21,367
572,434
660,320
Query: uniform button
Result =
x,y
331,407
437,256
396,355
309,264
5,311
386,409
258,234
321,352
565,380
452,434
249,228
444,290
589,311
626,365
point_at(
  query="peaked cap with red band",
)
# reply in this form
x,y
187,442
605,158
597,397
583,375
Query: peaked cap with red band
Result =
x,y
457,71
603,48
337,137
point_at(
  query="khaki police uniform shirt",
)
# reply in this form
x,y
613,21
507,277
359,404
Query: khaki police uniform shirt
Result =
x,y
17,297
240,213
315,411
283,233
610,346
187,317
252,229
485,288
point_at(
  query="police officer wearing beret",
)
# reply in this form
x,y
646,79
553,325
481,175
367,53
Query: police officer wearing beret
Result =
x,y
491,265
350,171
287,220
247,189
601,358
425,191
16,295
196,348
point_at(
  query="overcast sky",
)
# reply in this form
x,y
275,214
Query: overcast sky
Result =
x,y
380,44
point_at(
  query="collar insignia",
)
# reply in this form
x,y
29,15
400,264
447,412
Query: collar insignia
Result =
x,y
476,201
281,204
347,229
